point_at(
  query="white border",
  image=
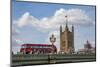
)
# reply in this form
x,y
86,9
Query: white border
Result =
x,y
86,2
4,33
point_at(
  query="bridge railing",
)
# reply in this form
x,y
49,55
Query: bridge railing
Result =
x,y
18,60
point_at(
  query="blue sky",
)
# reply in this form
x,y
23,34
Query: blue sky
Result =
x,y
35,22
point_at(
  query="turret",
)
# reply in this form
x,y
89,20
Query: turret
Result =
x,y
60,37
73,38
66,28
60,29
72,28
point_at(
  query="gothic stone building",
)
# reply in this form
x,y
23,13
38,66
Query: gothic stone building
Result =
x,y
66,40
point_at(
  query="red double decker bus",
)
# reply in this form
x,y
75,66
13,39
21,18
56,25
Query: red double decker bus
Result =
x,y
38,49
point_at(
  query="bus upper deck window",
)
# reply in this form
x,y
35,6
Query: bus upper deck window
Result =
x,y
28,46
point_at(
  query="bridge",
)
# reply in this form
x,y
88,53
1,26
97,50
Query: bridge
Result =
x,y
23,60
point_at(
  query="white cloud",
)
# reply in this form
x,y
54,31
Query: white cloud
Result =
x,y
26,19
75,16
78,16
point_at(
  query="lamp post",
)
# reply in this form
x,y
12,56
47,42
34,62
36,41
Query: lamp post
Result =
x,y
52,39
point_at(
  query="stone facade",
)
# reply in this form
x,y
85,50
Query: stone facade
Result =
x,y
66,40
